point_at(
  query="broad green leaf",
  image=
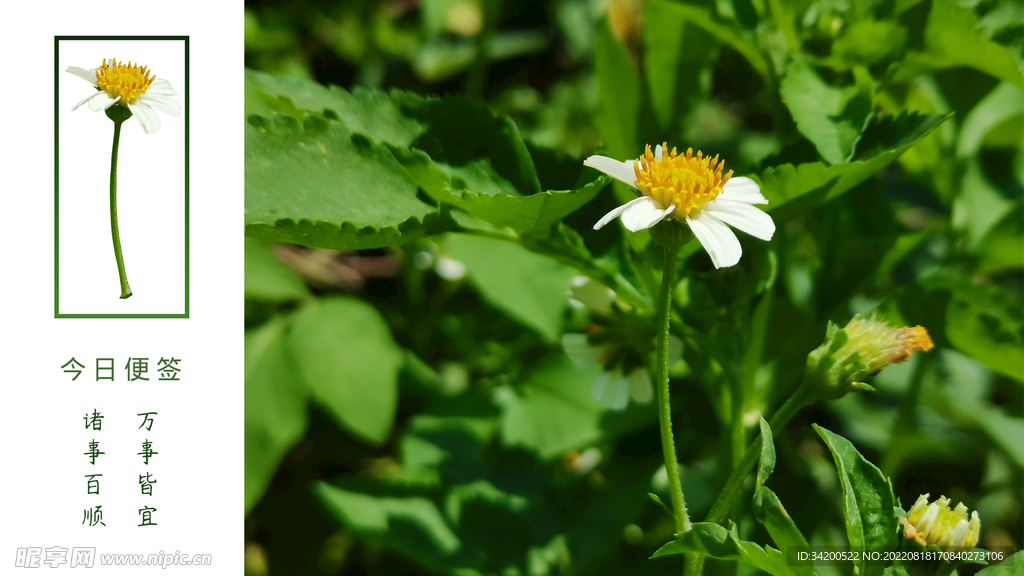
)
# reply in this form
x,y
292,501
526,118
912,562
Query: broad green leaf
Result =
x,y
317,184
1012,566
377,114
831,118
530,288
1002,107
725,32
1003,248
524,214
766,462
553,412
275,406
773,516
980,206
866,42
713,540
678,56
953,39
985,322
408,523
346,356
867,499
798,188
267,278
621,94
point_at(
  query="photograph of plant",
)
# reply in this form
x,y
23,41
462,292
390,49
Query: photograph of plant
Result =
x,y
634,286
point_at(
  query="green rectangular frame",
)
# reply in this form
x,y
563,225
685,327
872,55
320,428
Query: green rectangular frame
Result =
x,y
56,179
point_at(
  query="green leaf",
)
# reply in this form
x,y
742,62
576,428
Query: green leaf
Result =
x,y
317,184
677,62
267,278
725,32
953,39
766,463
376,114
408,523
867,499
275,406
530,288
1012,566
866,42
1003,248
985,322
796,189
712,540
1002,107
553,412
524,214
346,356
831,118
621,95
773,516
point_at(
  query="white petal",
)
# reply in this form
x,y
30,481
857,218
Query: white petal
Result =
x,y
101,101
86,99
161,103
146,116
743,189
644,214
592,294
640,388
597,390
581,352
163,87
657,153
615,213
743,217
89,75
717,238
621,171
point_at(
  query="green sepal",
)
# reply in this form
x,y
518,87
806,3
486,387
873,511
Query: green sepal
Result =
x,y
118,113
671,233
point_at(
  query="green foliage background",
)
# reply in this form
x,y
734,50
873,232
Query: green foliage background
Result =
x,y
416,207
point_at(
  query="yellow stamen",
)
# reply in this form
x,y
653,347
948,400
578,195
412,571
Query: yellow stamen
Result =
x,y
687,182
124,80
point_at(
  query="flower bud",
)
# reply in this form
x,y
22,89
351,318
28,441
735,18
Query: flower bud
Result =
x,y
851,354
936,524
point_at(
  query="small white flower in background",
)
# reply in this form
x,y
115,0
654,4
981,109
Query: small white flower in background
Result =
x,y
131,86
691,189
936,524
450,269
621,343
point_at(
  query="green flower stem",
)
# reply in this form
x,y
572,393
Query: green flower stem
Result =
x,y
118,119
803,397
668,444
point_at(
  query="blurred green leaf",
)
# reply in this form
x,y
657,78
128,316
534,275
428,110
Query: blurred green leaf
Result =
x,y
307,184
866,42
766,462
799,188
678,56
1009,567
345,354
986,323
769,512
715,541
867,499
553,412
831,118
275,406
532,289
410,523
267,278
621,95
1003,249
1002,110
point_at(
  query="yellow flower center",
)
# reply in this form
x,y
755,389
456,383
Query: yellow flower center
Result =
x,y
124,80
687,182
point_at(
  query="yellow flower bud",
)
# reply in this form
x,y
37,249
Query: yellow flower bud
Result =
x,y
936,524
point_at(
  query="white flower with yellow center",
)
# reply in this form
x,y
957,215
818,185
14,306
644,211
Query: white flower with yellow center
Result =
x,y
131,86
691,189
936,524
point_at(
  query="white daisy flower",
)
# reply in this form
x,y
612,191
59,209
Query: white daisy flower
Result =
x,y
693,190
615,385
131,86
